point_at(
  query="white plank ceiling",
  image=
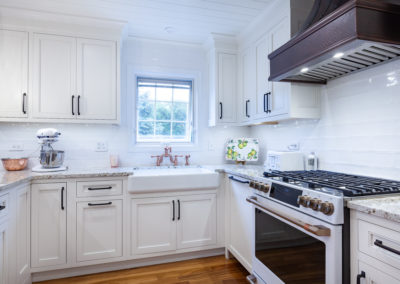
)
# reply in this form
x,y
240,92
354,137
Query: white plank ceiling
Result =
x,y
179,20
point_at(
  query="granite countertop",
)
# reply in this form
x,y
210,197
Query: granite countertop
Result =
x,y
385,207
9,179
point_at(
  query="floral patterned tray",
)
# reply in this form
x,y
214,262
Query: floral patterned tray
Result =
x,y
242,149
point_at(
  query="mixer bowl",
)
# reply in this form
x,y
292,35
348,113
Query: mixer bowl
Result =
x,y
51,159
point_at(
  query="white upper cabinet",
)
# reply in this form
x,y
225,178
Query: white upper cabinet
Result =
x,y
75,78
54,76
222,60
271,101
13,74
97,79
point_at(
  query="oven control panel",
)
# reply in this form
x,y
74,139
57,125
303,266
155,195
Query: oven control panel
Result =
x,y
316,203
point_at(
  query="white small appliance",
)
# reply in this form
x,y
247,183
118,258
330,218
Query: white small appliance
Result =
x,y
50,160
284,161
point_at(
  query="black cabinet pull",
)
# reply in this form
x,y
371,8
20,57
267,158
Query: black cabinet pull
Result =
x,y
62,198
247,108
220,106
269,102
2,207
73,101
79,105
179,209
23,103
100,204
359,276
173,210
238,180
380,244
265,100
100,188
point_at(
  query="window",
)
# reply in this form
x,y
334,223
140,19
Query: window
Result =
x,y
164,110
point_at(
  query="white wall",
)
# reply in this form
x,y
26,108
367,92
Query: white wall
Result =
x,y
359,131
79,141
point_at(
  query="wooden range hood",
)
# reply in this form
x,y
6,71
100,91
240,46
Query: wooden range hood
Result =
x,y
357,35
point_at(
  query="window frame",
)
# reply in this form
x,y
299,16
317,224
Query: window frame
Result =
x,y
189,120
132,73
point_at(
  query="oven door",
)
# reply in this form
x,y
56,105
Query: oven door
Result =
x,y
294,248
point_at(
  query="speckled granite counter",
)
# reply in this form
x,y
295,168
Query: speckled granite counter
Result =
x,y
9,179
385,207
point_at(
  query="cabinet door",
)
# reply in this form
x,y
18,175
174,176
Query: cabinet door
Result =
x,y
249,101
3,253
196,221
99,229
374,276
280,92
48,225
13,73
54,76
226,87
240,217
153,225
262,74
97,77
23,234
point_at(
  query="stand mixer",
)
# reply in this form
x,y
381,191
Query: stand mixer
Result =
x,y
50,160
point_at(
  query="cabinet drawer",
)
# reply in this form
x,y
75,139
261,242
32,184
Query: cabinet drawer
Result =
x,y
98,188
379,242
4,205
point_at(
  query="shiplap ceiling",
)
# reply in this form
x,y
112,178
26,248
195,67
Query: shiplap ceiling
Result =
x,y
179,20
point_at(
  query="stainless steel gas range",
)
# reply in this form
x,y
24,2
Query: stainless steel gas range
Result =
x,y
301,226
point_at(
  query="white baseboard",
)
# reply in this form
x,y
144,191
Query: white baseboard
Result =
x,y
77,271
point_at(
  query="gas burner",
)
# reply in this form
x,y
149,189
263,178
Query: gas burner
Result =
x,y
348,185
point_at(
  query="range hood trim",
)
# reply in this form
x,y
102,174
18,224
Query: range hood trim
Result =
x,y
351,35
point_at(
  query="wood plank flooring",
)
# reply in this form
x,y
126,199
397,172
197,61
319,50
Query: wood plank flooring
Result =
x,y
213,270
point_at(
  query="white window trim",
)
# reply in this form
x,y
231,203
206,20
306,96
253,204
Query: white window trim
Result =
x,y
132,74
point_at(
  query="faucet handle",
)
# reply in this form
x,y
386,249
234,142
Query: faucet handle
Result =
x,y
187,160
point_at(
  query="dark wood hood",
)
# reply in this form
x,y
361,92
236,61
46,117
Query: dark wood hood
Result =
x,y
357,35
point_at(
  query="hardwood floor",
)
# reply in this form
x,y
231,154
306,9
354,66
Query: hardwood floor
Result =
x,y
215,270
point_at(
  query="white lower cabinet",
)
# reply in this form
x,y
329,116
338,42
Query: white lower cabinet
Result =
x,y
197,221
48,225
172,223
375,249
153,226
99,229
239,223
3,253
23,234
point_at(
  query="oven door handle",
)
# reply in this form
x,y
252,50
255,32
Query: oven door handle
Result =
x,y
317,230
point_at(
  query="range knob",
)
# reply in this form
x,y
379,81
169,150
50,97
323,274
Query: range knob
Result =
x,y
314,203
264,187
251,184
303,200
326,207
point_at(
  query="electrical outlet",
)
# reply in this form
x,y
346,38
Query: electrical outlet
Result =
x,y
17,147
294,146
211,146
101,147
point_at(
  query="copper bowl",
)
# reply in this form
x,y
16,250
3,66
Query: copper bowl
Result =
x,y
15,164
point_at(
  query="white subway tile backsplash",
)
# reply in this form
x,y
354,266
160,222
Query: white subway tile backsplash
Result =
x,y
359,130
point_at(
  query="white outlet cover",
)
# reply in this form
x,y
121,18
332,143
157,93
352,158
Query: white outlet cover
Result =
x,y
17,147
101,147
